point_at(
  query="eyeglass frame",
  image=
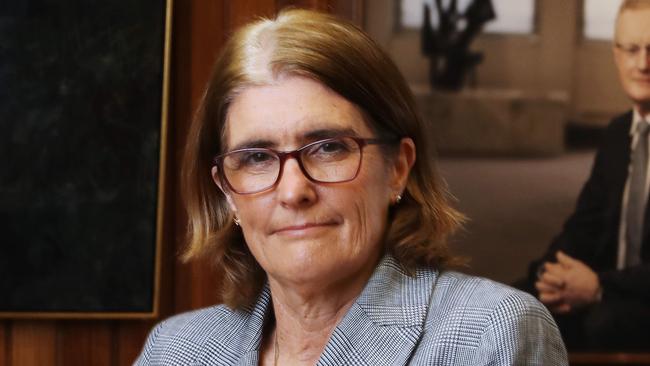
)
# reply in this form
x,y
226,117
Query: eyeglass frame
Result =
x,y
296,154
632,50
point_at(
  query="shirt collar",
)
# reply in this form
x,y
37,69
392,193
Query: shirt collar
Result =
x,y
636,119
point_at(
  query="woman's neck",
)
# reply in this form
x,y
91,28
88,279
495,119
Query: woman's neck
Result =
x,y
306,316
302,332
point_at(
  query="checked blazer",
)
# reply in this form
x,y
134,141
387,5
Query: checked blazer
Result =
x,y
432,318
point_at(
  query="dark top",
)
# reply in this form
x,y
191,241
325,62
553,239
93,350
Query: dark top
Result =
x,y
591,233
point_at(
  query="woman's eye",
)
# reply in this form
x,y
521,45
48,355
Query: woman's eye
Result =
x,y
260,156
332,147
329,151
255,158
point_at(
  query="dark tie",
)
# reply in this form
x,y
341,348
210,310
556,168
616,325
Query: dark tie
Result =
x,y
636,201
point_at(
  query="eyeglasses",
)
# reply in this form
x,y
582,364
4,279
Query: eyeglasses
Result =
x,y
633,50
333,160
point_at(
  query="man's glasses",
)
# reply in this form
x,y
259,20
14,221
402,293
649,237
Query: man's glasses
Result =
x,y
633,50
333,160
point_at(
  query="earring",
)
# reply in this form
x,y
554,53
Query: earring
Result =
x,y
398,199
236,220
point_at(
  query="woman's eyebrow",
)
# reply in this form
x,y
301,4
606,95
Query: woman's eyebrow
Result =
x,y
314,135
327,133
254,143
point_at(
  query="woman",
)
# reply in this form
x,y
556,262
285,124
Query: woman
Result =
x,y
309,181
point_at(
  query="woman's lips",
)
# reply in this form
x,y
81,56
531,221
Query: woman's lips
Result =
x,y
302,228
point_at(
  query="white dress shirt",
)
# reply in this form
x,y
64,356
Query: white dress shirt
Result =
x,y
622,242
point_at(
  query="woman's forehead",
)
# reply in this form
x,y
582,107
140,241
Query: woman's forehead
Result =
x,y
290,112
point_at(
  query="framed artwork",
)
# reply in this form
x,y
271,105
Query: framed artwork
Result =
x,y
83,115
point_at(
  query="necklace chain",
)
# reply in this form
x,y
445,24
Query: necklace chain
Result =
x,y
276,349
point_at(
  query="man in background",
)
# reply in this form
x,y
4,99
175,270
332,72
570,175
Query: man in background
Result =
x,y
595,276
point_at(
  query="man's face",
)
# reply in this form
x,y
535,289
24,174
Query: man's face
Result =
x,y
632,55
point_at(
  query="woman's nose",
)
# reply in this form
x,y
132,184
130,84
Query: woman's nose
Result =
x,y
294,189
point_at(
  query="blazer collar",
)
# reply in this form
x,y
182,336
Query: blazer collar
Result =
x,y
636,119
387,320
381,328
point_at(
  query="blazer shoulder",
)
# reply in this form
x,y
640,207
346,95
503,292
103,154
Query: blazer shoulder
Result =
x,y
192,325
620,123
178,340
460,290
484,302
481,321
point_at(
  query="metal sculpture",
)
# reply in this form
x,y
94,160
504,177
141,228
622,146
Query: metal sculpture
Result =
x,y
448,46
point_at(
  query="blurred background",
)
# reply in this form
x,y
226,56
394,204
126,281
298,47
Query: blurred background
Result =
x,y
516,141
515,138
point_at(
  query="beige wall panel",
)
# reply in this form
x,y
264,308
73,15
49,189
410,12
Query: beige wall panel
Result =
x,y
555,60
597,92
510,62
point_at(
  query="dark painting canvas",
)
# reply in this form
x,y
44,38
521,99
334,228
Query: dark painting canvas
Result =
x,y
80,125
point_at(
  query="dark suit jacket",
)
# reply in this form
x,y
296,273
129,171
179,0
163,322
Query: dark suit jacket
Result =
x,y
591,232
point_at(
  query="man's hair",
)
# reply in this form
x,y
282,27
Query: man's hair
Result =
x,y
337,54
633,4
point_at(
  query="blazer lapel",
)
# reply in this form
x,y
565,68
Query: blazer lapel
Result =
x,y
645,242
621,170
616,149
382,328
241,346
386,322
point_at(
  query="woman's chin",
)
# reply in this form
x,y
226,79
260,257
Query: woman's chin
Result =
x,y
300,270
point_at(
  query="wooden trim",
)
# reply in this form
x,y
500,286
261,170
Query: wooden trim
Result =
x,y
84,343
243,11
613,358
163,157
200,31
128,340
33,343
77,315
351,9
4,343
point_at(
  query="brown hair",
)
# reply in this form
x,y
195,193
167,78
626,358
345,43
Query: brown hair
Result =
x,y
339,55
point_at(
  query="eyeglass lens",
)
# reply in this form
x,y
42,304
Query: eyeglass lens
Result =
x,y
326,161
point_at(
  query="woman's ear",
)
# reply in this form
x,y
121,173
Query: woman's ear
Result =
x,y
402,165
215,178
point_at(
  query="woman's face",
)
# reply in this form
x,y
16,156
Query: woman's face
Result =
x,y
301,231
